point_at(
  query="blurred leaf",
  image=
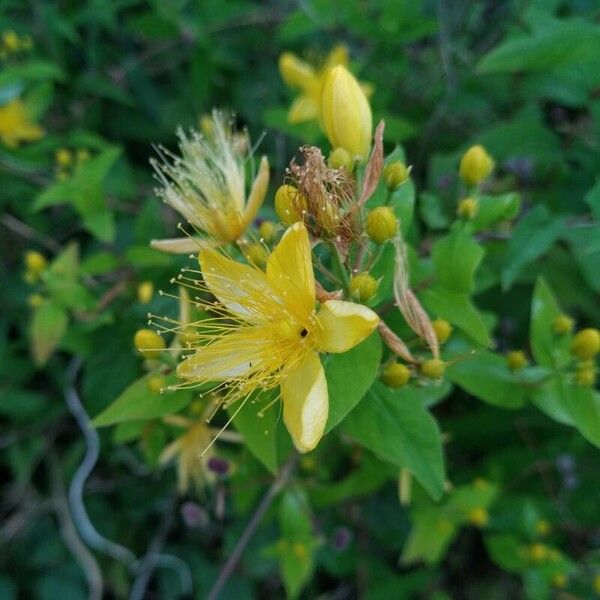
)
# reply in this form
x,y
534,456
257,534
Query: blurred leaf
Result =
x,y
48,326
493,209
593,200
507,552
402,431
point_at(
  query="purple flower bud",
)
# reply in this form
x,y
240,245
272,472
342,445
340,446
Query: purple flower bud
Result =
x,y
193,515
341,538
218,465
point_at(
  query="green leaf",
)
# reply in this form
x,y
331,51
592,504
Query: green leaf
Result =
x,y
585,247
429,538
48,326
349,376
458,310
508,552
593,199
493,209
401,431
486,376
259,421
139,402
548,349
535,233
456,258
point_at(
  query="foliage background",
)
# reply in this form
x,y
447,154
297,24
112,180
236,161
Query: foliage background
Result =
x,y
115,77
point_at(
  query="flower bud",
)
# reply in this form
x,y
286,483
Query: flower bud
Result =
x,y
562,324
148,343
145,291
256,254
394,175
10,40
559,580
382,224
363,286
289,204
340,158
433,368
467,208
35,262
475,165
586,343
63,157
585,376
156,384
538,552
267,231
345,113
542,527
516,360
83,155
442,329
478,516
395,375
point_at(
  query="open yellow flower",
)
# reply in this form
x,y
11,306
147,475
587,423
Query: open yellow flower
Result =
x,y
16,126
206,184
267,332
303,76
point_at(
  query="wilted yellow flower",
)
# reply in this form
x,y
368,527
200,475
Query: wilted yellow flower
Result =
x,y
145,292
301,75
15,125
267,333
475,165
345,113
206,184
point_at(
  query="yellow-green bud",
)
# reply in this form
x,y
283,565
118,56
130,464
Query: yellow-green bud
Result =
x,y
395,375
267,231
148,343
585,376
542,527
35,262
82,155
394,175
363,286
562,324
382,224
559,580
145,291
256,254
35,300
586,343
340,158
345,113
467,208
538,552
10,40
516,359
63,157
290,204
478,516
475,165
156,384
442,329
295,72
434,368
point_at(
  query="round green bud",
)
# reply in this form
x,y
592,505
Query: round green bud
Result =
x,y
382,224
442,329
586,343
516,359
434,368
467,208
395,375
585,376
395,174
562,324
340,158
363,286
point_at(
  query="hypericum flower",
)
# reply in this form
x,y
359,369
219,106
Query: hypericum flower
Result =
x,y
345,113
475,165
16,126
206,184
266,332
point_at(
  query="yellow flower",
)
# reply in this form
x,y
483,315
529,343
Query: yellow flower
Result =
x,y
267,332
206,184
299,74
15,125
345,113
145,291
193,451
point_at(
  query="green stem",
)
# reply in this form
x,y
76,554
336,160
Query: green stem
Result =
x,y
339,268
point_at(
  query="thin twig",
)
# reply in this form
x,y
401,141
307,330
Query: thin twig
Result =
x,y
278,483
29,233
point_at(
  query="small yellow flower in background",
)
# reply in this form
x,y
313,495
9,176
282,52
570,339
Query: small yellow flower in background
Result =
x,y
35,263
206,184
395,375
149,343
542,527
467,208
16,126
345,113
478,516
538,552
475,165
10,41
145,291
267,333
63,157
586,343
516,359
301,75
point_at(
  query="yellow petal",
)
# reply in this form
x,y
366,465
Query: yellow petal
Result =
x,y
290,270
233,355
241,288
337,56
305,402
295,72
183,245
303,108
258,192
344,325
